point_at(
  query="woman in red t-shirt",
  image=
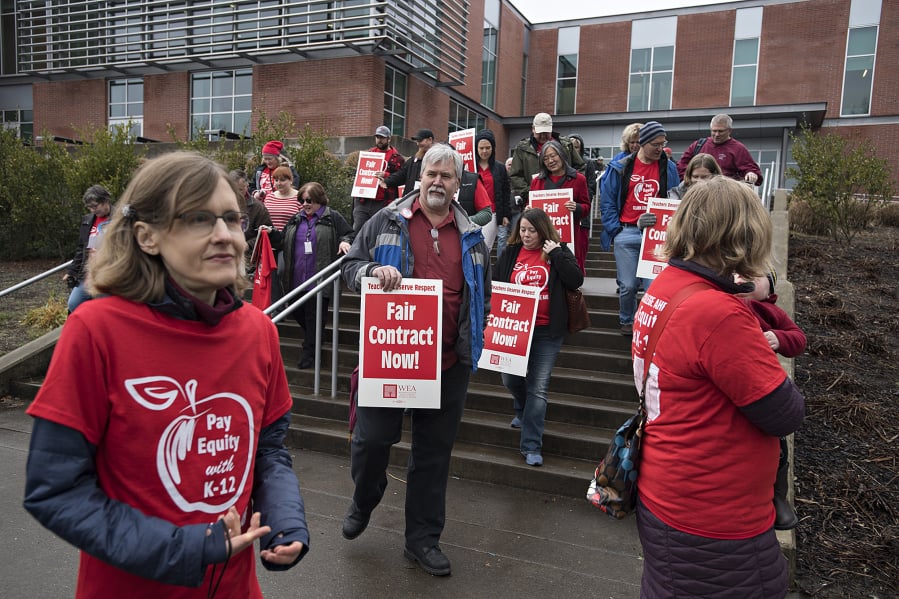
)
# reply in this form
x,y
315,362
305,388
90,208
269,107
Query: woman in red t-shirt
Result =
x,y
716,401
535,257
556,173
157,449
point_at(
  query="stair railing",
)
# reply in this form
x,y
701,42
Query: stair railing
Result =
x,y
35,279
330,275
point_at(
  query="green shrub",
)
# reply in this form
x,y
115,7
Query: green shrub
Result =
x,y
804,219
889,215
842,181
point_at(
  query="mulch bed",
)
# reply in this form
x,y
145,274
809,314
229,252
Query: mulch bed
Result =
x,y
847,486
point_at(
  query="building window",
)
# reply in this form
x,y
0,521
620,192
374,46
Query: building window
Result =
x,y
20,121
488,55
744,72
652,64
567,48
859,73
395,100
461,117
221,101
488,67
126,105
861,46
8,46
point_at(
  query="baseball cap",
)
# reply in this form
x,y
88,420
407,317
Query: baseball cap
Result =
x,y
422,134
382,131
543,123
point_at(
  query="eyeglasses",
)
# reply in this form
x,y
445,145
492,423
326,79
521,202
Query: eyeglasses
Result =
x,y
202,222
307,201
658,146
91,205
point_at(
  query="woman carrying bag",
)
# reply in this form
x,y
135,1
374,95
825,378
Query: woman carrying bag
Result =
x,y
535,257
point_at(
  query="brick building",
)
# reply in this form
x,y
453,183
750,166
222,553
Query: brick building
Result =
x,y
203,67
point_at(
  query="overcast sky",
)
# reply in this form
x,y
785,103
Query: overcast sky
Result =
x,y
543,11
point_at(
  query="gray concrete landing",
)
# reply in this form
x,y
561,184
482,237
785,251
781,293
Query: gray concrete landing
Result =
x,y
502,542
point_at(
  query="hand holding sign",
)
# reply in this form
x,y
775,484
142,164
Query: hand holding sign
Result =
x,y
389,277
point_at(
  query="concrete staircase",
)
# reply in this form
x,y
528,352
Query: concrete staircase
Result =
x,y
591,393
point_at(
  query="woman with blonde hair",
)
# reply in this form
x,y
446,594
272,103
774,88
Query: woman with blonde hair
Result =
x,y
717,401
158,446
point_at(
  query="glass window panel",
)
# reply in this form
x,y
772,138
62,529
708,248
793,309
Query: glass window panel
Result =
x,y
243,84
856,93
201,106
135,109
860,63
663,58
568,65
222,85
641,60
746,52
136,92
638,99
222,104
243,103
116,110
661,91
116,92
862,41
565,96
742,89
221,121
400,85
201,87
27,116
242,122
10,116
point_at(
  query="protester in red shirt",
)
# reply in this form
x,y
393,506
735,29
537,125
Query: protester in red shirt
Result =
x,y
157,449
732,156
716,401
535,257
364,208
556,173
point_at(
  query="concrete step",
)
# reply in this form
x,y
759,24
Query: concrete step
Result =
x,y
472,461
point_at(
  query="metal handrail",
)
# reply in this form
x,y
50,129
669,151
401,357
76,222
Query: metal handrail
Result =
x,y
35,279
331,276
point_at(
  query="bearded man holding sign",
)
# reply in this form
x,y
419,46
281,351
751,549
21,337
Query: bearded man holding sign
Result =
x,y
424,236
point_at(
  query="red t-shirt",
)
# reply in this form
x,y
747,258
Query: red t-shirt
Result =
x,y
443,262
175,415
644,184
531,269
698,448
486,176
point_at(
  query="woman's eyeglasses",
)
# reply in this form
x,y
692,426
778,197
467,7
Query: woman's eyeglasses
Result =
x,y
202,222
307,201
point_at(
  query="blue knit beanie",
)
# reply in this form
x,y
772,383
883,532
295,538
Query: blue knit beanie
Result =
x,y
651,130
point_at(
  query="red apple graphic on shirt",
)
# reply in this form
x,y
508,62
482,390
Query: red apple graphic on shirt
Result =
x,y
203,455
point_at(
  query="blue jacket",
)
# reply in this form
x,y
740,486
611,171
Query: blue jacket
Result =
x,y
612,193
384,241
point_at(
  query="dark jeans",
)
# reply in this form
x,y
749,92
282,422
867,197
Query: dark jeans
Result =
x,y
433,435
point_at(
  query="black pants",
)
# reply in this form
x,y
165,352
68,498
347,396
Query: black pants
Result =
x,y
433,435
305,317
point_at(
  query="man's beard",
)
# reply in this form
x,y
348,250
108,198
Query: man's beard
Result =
x,y
437,201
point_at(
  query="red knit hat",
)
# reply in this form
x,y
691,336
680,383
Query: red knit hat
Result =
x,y
273,147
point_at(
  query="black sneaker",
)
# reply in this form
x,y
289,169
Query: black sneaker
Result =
x,y
430,559
354,523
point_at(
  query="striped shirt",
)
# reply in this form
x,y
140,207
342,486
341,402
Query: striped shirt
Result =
x,y
281,209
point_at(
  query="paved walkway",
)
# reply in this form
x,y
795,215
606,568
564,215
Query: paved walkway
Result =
x,y
503,542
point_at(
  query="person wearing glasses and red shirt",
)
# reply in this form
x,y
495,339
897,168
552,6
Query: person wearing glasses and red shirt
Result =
x,y
624,194
157,448
313,238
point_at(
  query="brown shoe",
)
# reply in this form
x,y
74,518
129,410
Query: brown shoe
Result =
x,y
627,330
